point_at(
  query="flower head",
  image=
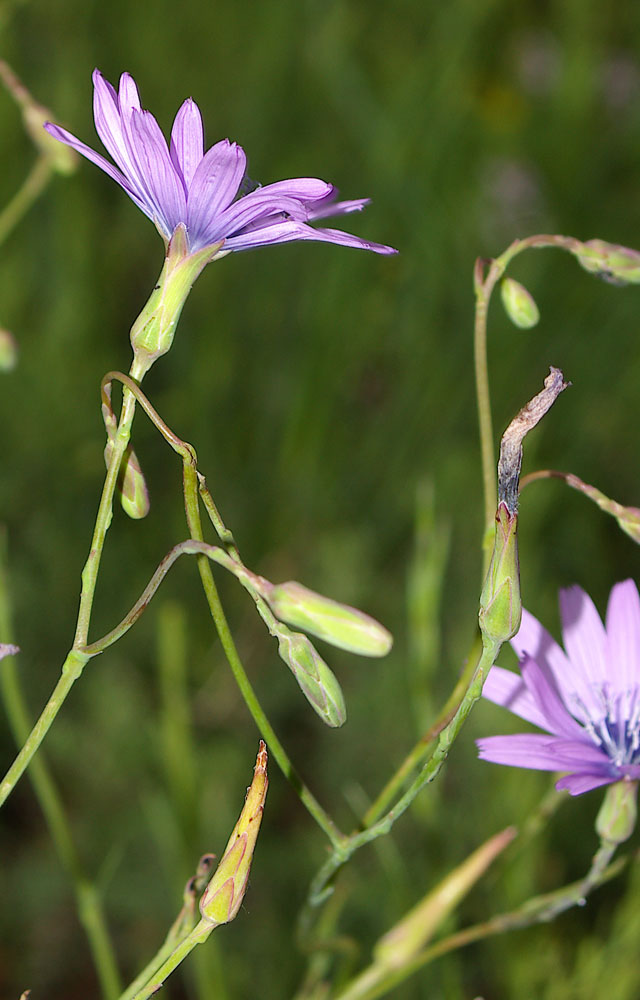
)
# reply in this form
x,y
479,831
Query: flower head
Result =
x,y
180,183
586,697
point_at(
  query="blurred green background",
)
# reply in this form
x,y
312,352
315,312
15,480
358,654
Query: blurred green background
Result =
x,y
329,393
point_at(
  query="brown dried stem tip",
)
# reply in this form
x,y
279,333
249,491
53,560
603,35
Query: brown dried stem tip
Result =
x,y
511,444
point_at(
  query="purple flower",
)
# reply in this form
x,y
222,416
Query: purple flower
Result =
x,y
203,191
587,699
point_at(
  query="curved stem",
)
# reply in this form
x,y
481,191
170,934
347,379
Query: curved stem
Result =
x,y
32,187
194,485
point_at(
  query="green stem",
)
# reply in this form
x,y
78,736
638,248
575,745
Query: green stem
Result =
x,y
193,485
77,657
88,901
321,885
198,935
377,980
425,744
32,187
484,286
265,728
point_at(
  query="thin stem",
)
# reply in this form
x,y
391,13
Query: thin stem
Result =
x,y
193,485
76,658
425,744
198,935
321,884
32,187
88,900
376,981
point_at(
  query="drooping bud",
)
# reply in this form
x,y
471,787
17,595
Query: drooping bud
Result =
x,y
153,331
616,819
341,625
131,486
500,601
62,159
613,263
519,304
223,896
8,351
399,945
316,681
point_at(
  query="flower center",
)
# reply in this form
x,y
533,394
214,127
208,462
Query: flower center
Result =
x,y
615,727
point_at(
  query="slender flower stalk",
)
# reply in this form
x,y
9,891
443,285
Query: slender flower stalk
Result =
x,y
180,184
586,697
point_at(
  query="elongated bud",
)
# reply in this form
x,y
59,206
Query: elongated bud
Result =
x,y
519,304
500,601
8,351
628,518
613,263
153,331
221,899
316,681
63,160
399,945
339,624
132,487
616,819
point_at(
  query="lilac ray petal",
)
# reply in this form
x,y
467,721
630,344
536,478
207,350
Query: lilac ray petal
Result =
x,y
623,636
543,753
7,649
251,209
216,184
284,232
540,683
108,121
70,140
338,208
162,182
585,642
577,784
507,689
187,141
533,638
305,189
128,96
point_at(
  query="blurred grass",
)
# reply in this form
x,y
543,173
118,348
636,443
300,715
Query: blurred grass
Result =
x,y
320,387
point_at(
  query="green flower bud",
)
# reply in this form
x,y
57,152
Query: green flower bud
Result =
x,y
8,351
316,681
616,819
153,331
223,896
341,625
519,304
500,603
131,485
613,263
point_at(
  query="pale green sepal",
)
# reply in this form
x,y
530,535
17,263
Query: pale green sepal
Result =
x,y
616,819
500,602
153,331
341,625
613,263
316,681
223,896
408,937
519,304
